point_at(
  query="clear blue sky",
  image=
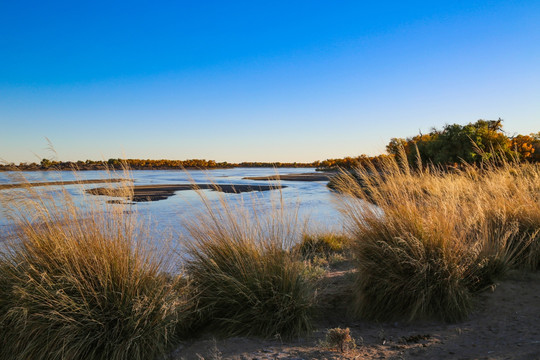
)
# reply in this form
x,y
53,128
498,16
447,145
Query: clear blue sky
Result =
x,y
258,80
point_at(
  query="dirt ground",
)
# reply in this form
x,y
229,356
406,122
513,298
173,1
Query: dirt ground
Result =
x,y
505,325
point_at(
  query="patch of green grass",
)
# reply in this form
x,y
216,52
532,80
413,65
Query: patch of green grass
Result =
x,y
319,252
322,245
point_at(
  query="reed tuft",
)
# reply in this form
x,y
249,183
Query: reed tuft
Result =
x,y
247,280
434,236
79,281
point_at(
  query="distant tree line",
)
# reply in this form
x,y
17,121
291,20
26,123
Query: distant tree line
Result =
x,y
141,164
452,145
349,162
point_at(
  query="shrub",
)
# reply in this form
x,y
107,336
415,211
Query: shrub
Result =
x,y
436,237
340,339
247,281
81,284
511,194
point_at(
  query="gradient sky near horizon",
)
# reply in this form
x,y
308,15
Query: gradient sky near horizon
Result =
x,y
258,80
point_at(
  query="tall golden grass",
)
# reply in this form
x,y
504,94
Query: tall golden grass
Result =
x,y
247,279
80,282
425,239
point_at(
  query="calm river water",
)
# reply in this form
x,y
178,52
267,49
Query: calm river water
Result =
x,y
313,198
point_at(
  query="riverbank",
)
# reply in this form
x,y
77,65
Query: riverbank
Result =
x,y
294,177
143,193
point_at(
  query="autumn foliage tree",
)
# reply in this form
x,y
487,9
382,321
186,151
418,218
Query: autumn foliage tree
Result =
x,y
527,146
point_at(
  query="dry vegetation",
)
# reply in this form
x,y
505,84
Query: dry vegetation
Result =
x,y
82,282
434,237
247,279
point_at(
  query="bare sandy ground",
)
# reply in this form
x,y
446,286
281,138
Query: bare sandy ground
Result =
x,y
323,176
52,183
505,325
143,193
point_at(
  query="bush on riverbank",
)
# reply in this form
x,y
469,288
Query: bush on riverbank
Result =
x,y
511,197
436,237
247,280
83,285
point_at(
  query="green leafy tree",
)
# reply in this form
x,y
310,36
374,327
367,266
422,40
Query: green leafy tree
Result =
x,y
46,163
455,143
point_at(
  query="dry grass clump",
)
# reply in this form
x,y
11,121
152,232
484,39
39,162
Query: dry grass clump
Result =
x,y
78,282
511,198
339,338
436,237
247,280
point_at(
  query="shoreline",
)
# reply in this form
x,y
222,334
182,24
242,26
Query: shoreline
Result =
x,y
316,176
144,193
